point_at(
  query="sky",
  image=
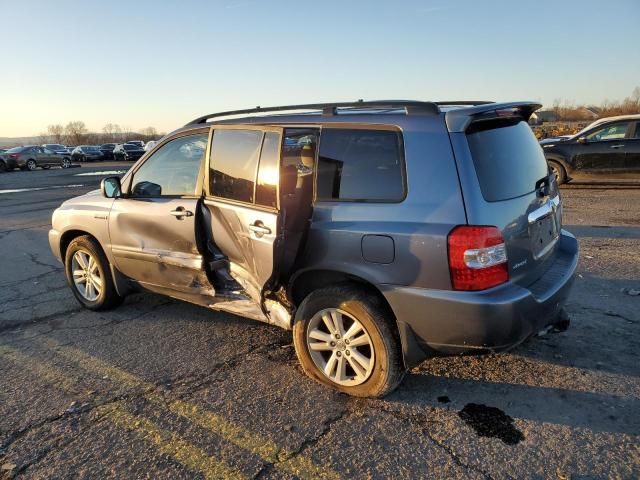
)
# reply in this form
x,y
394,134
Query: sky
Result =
x,y
161,63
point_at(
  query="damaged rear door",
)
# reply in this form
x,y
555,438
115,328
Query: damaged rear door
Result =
x,y
242,203
153,226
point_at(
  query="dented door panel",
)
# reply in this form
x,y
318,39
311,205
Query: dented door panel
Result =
x,y
153,246
249,251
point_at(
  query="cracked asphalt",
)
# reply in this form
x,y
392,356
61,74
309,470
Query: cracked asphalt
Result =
x,y
163,389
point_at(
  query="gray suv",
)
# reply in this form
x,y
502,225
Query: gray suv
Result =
x,y
381,233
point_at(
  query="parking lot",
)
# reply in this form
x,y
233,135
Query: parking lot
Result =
x,y
163,389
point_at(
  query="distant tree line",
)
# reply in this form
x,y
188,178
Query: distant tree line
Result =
x,y
569,112
76,133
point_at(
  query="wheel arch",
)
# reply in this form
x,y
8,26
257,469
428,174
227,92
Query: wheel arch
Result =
x,y
559,159
67,237
304,282
120,281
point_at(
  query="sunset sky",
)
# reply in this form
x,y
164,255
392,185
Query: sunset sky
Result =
x,y
160,63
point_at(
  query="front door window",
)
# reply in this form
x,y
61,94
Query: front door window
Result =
x,y
173,170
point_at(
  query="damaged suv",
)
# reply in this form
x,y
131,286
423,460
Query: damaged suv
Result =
x,y
381,232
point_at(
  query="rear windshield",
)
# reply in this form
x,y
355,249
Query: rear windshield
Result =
x,y
508,161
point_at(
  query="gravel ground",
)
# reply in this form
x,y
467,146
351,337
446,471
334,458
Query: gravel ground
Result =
x,y
163,389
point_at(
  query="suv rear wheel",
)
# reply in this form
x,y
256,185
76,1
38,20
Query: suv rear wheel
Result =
x,y
89,276
344,339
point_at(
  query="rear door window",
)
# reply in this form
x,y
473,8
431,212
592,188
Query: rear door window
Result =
x,y
508,160
360,165
234,160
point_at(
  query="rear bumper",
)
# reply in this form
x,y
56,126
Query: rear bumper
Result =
x,y
434,322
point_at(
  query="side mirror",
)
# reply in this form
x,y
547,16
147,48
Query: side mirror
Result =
x,y
111,187
582,140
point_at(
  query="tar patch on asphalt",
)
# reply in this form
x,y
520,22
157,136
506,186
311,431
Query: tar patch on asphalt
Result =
x,y
491,422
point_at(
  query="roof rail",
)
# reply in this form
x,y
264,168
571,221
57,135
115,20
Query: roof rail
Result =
x,y
329,109
464,102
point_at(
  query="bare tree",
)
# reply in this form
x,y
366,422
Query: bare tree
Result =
x,y
127,134
149,133
43,138
75,132
56,133
112,132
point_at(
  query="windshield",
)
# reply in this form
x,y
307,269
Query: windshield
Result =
x,y
54,146
91,149
108,145
129,146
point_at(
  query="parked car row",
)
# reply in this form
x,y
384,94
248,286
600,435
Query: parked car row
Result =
x,y
30,157
132,150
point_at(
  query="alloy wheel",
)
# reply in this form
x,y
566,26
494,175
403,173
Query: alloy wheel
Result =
x,y
340,347
66,163
86,275
32,165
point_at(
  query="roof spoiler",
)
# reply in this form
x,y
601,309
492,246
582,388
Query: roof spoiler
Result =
x,y
459,120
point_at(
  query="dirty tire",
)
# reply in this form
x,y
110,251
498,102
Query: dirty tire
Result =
x,y
108,298
558,169
369,310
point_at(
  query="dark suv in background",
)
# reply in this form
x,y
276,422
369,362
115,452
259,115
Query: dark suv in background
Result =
x,y
107,150
128,151
86,153
608,147
381,232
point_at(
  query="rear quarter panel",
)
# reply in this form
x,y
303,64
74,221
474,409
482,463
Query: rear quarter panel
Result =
x,y
418,225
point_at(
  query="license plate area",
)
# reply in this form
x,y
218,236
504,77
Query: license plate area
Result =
x,y
544,233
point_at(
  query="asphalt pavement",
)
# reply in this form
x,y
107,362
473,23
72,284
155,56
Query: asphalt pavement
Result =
x,y
159,388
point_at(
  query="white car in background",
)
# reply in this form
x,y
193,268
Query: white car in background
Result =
x,y
149,145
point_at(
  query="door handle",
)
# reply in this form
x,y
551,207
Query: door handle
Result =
x,y
617,146
181,212
259,229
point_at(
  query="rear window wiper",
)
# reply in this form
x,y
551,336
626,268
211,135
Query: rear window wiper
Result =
x,y
543,186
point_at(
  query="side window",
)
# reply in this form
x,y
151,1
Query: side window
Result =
x,y
610,132
173,169
360,165
234,158
267,185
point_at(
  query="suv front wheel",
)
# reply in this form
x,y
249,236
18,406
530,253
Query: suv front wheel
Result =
x,y
89,275
344,339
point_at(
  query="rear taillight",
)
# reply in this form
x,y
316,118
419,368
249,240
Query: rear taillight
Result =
x,y
13,155
477,257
